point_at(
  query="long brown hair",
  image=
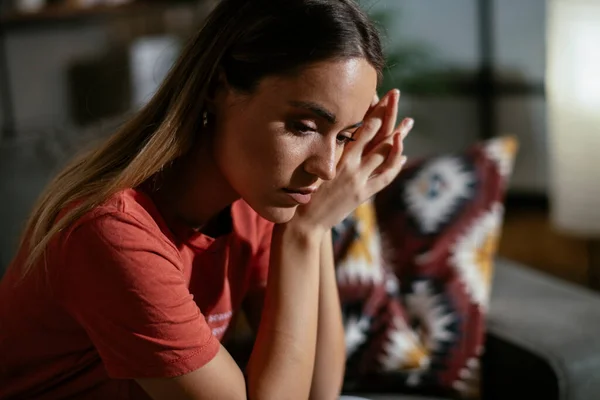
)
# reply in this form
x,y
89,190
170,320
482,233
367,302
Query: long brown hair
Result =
x,y
245,40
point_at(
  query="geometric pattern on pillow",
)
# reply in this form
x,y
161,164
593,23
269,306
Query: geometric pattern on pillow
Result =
x,y
374,318
414,270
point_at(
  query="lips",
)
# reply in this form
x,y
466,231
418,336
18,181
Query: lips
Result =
x,y
300,196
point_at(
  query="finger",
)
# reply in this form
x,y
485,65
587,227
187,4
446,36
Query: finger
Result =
x,y
368,130
403,128
373,122
390,169
374,101
374,162
391,115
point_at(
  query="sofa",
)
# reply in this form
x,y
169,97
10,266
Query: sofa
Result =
x,y
543,340
543,334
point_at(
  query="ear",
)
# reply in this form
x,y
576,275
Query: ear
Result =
x,y
217,91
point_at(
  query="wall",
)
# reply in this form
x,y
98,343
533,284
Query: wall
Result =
x,y
38,61
520,31
450,29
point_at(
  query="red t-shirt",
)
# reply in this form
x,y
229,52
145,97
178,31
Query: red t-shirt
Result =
x,y
122,296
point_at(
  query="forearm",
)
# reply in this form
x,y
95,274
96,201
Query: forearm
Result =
x,y
331,352
282,360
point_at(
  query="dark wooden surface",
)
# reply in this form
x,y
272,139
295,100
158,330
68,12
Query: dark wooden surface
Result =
x,y
529,237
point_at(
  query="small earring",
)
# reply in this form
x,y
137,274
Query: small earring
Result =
x,y
205,119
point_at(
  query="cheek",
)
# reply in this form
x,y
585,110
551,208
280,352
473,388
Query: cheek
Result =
x,y
279,153
236,139
251,152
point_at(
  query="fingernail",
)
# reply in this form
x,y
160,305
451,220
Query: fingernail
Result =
x,y
403,160
391,94
408,124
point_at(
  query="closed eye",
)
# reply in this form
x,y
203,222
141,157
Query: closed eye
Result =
x,y
343,139
304,129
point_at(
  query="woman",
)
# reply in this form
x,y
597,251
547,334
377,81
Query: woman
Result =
x,y
137,256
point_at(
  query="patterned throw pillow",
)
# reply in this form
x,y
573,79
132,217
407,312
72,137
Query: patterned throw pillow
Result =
x,y
369,295
415,285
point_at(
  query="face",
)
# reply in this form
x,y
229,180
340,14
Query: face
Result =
x,y
279,143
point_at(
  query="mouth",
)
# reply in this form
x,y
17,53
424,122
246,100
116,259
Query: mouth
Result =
x,y
300,195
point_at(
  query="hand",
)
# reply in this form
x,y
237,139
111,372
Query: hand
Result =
x,y
367,166
404,127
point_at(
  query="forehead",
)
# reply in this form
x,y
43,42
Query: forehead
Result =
x,y
344,87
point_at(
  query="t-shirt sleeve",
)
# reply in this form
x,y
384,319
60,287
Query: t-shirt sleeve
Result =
x,y
260,259
124,283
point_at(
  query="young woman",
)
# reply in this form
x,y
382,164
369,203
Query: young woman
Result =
x,y
138,255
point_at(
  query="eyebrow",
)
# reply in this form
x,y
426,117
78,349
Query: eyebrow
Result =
x,y
321,112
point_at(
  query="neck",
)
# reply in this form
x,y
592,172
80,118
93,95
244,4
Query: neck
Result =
x,y
194,190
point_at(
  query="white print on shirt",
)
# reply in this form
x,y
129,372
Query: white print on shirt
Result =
x,y
221,319
217,332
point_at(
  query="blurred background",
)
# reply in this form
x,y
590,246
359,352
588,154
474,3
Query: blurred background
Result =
x,y
469,70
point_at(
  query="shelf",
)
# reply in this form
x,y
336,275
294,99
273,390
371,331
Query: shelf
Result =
x,y
62,14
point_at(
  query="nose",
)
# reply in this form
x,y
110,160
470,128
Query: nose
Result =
x,y
323,160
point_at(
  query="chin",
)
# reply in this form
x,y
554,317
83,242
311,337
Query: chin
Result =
x,y
277,215
272,208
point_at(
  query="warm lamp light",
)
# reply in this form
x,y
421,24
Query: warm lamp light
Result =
x,y
573,89
573,94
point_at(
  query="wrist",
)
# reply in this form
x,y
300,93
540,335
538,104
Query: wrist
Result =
x,y
307,234
326,240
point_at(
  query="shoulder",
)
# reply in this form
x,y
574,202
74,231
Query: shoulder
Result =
x,y
119,245
127,220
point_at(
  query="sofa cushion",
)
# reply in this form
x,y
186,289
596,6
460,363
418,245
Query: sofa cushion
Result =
x,y
371,305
